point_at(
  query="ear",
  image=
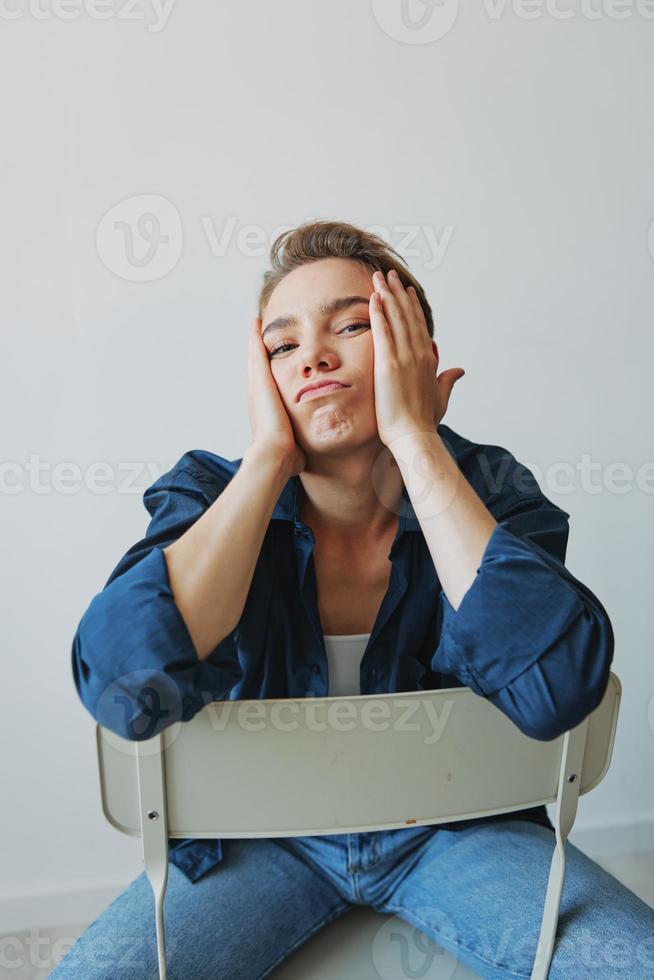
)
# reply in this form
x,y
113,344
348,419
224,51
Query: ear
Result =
x,y
434,347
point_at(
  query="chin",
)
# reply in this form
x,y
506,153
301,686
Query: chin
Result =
x,y
339,439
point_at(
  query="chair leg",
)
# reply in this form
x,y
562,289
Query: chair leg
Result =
x,y
551,912
572,760
154,829
158,882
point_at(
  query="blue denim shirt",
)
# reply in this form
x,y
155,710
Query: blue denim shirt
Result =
x,y
527,635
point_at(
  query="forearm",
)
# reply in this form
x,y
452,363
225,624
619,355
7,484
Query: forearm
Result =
x,y
211,566
456,525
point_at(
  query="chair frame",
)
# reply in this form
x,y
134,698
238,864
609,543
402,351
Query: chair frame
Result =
x,y
147,766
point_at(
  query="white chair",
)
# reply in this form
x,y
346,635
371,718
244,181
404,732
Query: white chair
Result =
x,y
289,767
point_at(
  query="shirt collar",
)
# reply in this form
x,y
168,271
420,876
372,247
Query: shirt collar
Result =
x,y
287,507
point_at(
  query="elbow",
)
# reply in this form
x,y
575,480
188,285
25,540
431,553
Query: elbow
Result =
x,y
547,729
135,704
139,674
564,686
546,726
571,711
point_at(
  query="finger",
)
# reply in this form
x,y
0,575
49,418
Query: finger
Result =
x,y
420,313
436,353
449,379
395,317
399,313
399,292
382,336
256,359
415,302
257,341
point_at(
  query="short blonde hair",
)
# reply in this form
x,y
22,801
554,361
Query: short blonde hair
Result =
x,y
315,240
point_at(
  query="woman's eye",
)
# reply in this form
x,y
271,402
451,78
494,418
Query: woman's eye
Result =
x,y
348,326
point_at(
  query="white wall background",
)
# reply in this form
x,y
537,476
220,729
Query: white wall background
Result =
x,y
524,148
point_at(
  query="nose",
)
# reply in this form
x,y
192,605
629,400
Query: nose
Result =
x,y
316,355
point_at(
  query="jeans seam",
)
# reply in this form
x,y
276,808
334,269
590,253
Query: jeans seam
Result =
x,y
410,915
329,917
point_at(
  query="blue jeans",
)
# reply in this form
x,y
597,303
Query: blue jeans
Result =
x,y
478,892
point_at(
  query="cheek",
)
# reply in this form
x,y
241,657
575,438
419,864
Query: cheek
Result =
x,y
283,382
367,358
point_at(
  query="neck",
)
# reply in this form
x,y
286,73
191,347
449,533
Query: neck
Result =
x,y
357,495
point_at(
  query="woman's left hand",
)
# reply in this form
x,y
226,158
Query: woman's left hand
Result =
x,y
410,397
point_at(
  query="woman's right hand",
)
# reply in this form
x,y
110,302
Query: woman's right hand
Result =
x,y
272,433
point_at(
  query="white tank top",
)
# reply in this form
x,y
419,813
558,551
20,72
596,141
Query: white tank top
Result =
x,y
344,655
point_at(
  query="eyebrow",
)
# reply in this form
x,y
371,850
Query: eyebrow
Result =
x,y
333,306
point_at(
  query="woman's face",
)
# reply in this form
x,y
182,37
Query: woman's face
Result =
x,y
324,345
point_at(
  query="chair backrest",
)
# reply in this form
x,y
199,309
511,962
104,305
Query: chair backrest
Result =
x,y
293,766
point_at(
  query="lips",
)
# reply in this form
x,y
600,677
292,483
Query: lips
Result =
x,y
324,388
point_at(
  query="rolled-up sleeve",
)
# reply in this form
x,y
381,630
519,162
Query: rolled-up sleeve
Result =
x,y
134,663
528,635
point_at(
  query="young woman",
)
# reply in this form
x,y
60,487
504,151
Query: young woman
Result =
x,y
359,546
